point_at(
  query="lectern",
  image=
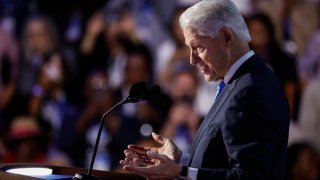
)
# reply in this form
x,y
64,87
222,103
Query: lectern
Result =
x,y
57,173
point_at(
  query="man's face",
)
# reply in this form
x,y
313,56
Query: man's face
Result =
x,y
208,53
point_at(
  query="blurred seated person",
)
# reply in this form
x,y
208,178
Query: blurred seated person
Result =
x,y
171,51
26,142
99,98
49,102
137,68
302,163
94,50
107,37
40,40
294,21
9,57
264,44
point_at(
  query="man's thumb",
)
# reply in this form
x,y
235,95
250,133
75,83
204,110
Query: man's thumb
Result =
x,y
158,138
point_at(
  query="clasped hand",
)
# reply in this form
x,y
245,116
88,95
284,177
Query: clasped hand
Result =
x,y
152,162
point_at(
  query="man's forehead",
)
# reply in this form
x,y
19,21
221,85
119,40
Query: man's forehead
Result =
x,y
192,37
189,35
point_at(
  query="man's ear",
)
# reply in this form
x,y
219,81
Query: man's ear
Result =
x,y
227,36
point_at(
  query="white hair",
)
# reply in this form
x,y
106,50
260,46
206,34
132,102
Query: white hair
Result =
x,y
207,17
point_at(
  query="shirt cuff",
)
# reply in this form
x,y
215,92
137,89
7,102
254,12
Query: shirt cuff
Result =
x,y
184,158
192,173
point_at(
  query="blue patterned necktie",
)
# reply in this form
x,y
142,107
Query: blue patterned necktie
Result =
x,y
220,88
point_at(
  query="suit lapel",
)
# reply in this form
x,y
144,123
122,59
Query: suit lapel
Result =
x,y
210,116
244,68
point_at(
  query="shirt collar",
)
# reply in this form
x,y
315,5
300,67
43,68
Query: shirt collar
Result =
x,y
235,66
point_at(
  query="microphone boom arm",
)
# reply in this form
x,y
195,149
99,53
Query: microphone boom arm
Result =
x,y
138,92
99,134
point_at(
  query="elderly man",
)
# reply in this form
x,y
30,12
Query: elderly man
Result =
x,y
244,135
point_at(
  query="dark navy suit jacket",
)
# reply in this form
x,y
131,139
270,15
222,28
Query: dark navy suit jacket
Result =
x,y
245,133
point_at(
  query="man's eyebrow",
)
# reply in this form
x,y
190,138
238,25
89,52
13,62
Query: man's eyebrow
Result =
x,y
192,44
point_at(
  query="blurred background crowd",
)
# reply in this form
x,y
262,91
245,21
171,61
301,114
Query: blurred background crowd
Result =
x,y
64,63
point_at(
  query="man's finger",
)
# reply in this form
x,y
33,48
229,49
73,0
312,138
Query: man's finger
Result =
x,y
142,162
162,158
126,168
125,162
132,154
158,138
122,162
137,162
129,161
138,149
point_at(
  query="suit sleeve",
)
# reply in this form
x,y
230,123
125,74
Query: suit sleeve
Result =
x,y
250,136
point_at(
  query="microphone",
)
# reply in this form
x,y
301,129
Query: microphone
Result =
x,y
141,91
138,92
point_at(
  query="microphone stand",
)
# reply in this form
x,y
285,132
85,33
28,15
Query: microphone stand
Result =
x,y
88,176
